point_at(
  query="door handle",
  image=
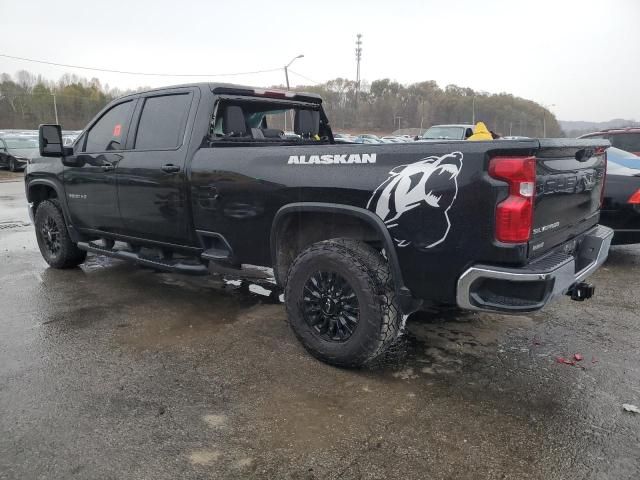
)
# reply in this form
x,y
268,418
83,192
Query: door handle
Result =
x,y
170,168
106,167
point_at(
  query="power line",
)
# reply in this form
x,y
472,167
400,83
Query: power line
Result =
x,y
306,78
149,74
84,97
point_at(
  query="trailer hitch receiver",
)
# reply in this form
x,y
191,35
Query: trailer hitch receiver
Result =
x,y
581,291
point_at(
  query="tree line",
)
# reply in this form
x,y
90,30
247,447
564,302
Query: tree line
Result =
x,y
27,100
386,105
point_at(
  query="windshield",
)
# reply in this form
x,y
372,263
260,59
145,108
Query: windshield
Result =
x,y
21,143
446,133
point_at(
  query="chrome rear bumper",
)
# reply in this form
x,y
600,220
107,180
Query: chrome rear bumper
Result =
x,y
529,288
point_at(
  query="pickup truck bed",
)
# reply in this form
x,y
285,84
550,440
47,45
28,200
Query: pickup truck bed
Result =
x,y
358,235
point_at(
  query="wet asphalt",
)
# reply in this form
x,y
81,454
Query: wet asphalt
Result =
x,y
110,371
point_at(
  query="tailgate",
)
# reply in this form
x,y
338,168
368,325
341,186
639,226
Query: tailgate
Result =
x,y
569,181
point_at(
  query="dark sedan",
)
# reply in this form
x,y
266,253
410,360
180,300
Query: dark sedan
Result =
x,y
16,151
621,206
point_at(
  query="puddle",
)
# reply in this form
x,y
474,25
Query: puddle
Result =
x,y
448,343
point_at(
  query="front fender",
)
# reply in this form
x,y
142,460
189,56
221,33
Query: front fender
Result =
x,y
62,200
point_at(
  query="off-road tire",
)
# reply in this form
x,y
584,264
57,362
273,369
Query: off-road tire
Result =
x,y
66,254
368,274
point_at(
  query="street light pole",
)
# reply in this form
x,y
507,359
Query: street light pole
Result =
x,y
286,70
55,108
473,111
544,119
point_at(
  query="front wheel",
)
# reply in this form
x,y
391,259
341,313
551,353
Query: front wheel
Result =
x,y
12,165
341,302
53,238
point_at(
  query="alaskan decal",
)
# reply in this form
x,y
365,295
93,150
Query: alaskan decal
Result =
x,y
414,201
345,159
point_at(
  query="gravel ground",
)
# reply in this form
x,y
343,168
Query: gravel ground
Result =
x,y
112,371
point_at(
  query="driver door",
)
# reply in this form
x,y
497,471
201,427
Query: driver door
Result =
x,y
91,185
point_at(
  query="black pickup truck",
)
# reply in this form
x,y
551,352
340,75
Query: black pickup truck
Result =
x,y
201,178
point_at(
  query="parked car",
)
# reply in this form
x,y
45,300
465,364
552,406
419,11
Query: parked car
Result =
x,y
627,139
188,179
69,137
370,136
368,140
448,132
621,204
17,150
343,138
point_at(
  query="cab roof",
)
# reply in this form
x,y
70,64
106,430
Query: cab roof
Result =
x,y
234,89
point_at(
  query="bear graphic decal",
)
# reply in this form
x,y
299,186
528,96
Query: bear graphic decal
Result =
x,y
414,201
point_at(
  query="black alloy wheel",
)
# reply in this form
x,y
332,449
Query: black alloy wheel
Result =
x,y
341,302
51,236
330,306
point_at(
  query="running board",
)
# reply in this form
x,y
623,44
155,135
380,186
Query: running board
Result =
x,y
244,272
157,263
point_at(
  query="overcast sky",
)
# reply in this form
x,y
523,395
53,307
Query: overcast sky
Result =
x,y
582,56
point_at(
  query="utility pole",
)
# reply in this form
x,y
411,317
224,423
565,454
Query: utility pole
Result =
x,y
473,111
55,108
358,58
286,76
544,118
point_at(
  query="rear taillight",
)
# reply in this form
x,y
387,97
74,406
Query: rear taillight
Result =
x,y
635,198
514,215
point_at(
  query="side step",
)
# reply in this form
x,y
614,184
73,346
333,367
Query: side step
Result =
x,y
156,263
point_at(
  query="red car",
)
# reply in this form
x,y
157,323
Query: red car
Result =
x,y
623,138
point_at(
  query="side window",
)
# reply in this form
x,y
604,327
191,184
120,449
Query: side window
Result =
x,y
109,132
162,122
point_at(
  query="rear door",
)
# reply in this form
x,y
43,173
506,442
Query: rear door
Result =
x,y
152,181
569,185
91,186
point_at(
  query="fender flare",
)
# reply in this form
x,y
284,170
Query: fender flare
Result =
x,y
406,300
61,199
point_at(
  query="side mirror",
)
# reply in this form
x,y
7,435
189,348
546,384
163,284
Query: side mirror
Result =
x,y
51,141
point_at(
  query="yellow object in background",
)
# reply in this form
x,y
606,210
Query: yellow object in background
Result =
x,y
481,132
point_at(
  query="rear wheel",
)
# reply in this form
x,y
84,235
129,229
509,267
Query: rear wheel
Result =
x,y
53,238
341,302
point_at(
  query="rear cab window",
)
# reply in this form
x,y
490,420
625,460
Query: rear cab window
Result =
x,y
237,121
